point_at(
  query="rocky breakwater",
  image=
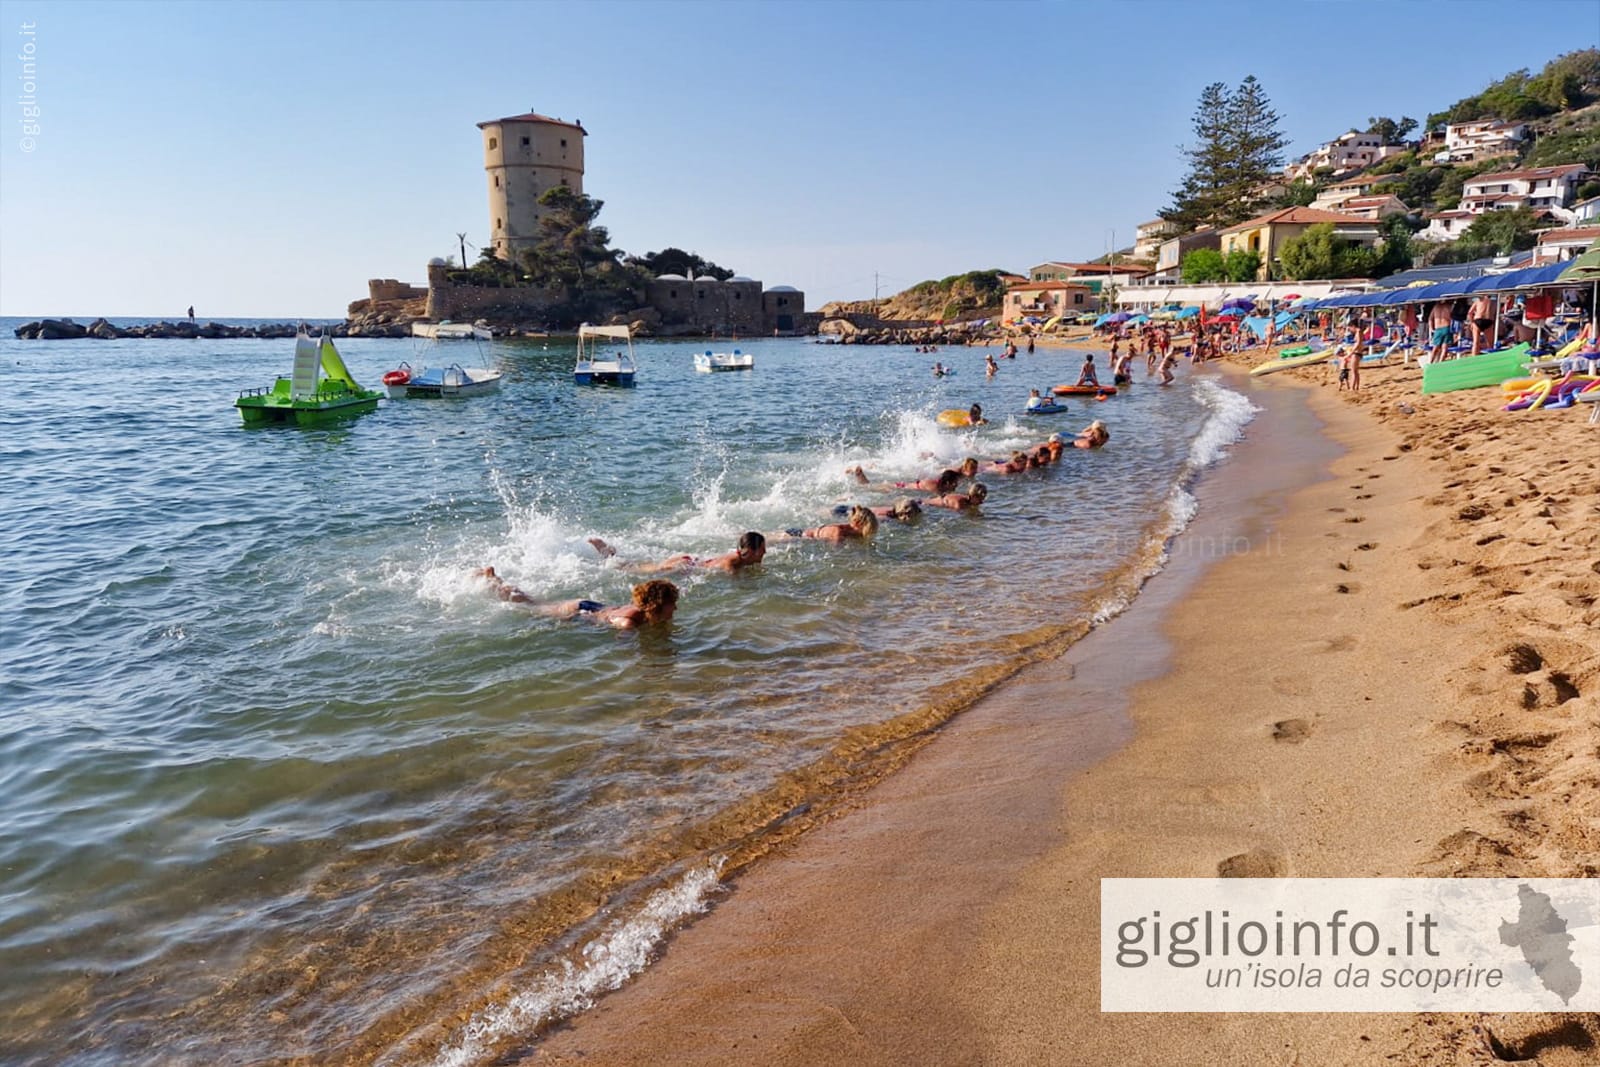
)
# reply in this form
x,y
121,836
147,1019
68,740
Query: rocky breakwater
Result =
x,y
850,332
100,329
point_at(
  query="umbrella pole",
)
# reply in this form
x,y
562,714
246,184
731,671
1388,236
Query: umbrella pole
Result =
x,y
1498,311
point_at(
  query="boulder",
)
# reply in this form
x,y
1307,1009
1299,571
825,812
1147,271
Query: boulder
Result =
x,y
29,331
105,331
60,330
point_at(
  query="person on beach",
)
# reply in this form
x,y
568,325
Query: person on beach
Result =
x,y
1480,318
751,548
1120,375
990,367
1010,351
1439,321
967,501
191,312
1168,361
1034,399
975,415
1030,344
939,370
861,526
1086,373
1092,436
653,601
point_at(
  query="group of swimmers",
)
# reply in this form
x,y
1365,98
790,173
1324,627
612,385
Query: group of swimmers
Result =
x,y
656,600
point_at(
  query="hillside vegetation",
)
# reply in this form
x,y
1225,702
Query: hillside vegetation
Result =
x,y
973,295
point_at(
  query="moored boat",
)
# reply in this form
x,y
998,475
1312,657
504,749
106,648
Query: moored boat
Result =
x,y
595,367
452,381
714,361
320,389
452,331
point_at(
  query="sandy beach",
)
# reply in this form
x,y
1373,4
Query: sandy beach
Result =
x,y
1375,653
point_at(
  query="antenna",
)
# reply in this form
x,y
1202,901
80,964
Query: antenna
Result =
x,y
462,237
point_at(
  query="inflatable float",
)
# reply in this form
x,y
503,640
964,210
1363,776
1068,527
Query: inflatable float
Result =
x,y
1272,366
1474,372
954,417
1549,393
1049,407
1084,390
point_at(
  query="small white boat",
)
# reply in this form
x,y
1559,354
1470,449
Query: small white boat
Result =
x,y
452,331
713,361
595,367
454,380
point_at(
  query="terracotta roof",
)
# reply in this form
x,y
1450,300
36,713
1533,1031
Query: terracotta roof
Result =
x,y
1521,175
1368,201
1045,285
1099,268
1584,233
1457,214
1299,216
534,116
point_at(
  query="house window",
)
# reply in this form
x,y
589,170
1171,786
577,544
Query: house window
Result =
x,y
494,142
525,142
783,301
1077,298
563,142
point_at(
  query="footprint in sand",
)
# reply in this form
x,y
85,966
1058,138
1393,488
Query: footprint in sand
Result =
x,y
1338,511
1366,546
1291,731
1363,496
1257,863
1347,587
1343,643
1355,518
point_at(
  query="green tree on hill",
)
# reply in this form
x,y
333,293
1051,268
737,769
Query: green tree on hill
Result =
x,y
1321,253
1569,81
1389,131
1203,265
677,261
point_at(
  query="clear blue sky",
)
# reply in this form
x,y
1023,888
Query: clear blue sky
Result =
x,y
265,159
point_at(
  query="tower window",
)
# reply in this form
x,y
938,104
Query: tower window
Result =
x,y
497,181
563,142
494,142
499,224
525,142
673,293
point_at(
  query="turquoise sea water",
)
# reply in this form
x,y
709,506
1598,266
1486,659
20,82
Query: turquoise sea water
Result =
x,y
279,778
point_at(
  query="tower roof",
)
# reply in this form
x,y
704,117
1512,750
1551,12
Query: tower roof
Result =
x,y
534,116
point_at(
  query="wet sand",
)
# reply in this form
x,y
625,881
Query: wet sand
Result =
x,y
1374,653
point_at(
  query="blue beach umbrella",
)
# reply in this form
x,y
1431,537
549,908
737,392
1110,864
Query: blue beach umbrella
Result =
x,y
1188,313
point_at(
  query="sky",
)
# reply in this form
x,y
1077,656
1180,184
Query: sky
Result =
x,y
266,159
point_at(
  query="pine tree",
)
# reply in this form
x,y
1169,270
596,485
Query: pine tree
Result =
x,y
1199,198
1255,149
1238,148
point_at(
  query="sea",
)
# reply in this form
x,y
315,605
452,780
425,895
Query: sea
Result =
x,y
280,778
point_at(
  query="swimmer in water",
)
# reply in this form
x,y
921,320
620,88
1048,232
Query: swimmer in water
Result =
x,y
861,526
751,548
653,601
959,501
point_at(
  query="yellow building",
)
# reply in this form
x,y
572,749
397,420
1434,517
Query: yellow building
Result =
x,y
524,156
1267,234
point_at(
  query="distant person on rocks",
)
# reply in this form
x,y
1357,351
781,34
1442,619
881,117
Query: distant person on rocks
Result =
x,y
191,312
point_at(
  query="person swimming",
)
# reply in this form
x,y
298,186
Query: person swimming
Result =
x,y
861,526
959,501
750,550
906,510
1092,436
653,601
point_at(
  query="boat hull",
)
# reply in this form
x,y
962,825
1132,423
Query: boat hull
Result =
x,y
270,411
622,378
708,363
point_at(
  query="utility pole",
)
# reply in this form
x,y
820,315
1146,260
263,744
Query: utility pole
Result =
x,y
874,292
462,237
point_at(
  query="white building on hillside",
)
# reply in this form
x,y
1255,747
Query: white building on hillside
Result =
x,y
1446,225
1149,235
1345,153
1467,141
1557,245
1541,188
1376,206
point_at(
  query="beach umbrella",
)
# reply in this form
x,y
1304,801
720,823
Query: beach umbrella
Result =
x,y
1119,317
1290,296
1231,313
1138,320
1188,313
1586,268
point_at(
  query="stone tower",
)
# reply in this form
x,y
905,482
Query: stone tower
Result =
x,y
524,155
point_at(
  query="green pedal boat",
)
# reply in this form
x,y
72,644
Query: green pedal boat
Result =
x,y
318,391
